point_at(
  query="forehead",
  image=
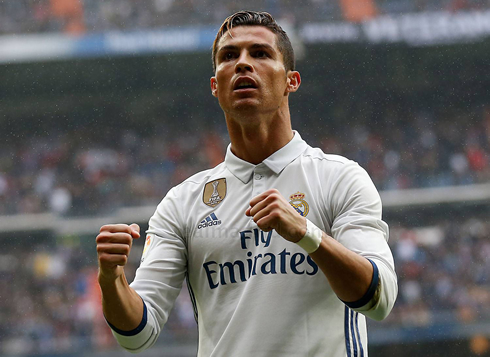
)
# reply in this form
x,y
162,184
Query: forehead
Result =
x,y
248,35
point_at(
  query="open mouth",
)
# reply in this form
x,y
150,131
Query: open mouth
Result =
x,y
244,83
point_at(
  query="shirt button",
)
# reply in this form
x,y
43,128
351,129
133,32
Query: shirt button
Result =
x,y
258,177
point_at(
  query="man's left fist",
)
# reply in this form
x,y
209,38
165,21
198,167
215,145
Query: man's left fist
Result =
x,y
270,210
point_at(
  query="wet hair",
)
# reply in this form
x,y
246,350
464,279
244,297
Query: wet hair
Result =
x,y
256,18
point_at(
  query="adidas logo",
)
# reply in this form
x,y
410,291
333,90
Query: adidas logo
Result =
x,y
209,221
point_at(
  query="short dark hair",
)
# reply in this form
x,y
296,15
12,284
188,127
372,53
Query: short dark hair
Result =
x,y
256,18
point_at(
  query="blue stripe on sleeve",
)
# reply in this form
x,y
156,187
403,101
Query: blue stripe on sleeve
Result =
x,y
135,331
359,335
370,291
354,342
346,331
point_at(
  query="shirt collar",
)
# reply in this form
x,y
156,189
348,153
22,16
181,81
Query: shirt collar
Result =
x,y
243,170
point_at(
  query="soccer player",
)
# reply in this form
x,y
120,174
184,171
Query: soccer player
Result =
x,y
283,246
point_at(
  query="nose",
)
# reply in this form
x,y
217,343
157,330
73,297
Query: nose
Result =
x,y
243,63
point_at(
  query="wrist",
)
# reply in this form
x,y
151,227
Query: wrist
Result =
x,y
109,278
312,238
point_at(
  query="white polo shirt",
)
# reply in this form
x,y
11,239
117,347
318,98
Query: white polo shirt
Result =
x,y
255,293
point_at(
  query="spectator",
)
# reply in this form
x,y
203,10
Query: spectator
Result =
x,y
53,301
79,16
72,177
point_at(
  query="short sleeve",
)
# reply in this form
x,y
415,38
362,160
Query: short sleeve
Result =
x,y
160,276
357,224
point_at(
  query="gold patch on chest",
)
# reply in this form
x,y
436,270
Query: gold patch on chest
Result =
x,y
214,192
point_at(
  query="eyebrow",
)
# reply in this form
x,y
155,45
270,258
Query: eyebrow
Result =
x,y
254,47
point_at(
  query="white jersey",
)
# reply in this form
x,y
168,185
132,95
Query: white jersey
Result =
x,y
254,292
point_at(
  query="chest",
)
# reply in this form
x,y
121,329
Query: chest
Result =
x,y
221,232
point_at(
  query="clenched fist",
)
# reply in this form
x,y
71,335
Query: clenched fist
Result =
x,y
114,243
270,210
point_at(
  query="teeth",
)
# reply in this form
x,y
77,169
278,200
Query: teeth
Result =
x,y
245,84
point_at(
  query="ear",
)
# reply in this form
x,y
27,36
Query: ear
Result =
x,y
293,81
214,86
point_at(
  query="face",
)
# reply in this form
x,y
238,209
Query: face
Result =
x,y
250,73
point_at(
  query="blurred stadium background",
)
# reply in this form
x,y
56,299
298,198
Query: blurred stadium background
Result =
x,y
104,105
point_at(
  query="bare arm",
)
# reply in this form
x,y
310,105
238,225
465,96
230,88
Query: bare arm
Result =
x,y
348,273
122,306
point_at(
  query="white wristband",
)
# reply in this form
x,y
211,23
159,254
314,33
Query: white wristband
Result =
x,y
312,238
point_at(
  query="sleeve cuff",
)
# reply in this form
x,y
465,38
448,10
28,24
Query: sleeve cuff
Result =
x,y
370,293
135,331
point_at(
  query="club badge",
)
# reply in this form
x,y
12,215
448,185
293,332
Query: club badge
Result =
x,y
214,192
299,204
147,246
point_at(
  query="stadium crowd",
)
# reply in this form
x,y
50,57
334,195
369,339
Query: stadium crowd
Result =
x,y
53,304
79,173
53,301
442,273
81,16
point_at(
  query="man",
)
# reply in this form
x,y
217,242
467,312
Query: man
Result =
x,y
282,245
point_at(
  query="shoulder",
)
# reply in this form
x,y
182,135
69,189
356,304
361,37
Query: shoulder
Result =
x,y
318,154
337,173
175,207
183,197
330,162
196,181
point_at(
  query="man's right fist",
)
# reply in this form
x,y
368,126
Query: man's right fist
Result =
x,y
113,246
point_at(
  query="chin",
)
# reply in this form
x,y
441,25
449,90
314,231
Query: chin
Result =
x,y
245,104
247,110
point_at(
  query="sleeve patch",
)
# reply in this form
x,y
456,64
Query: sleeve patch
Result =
x,y
148,241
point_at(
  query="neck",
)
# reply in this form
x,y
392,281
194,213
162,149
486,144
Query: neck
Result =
x,y
256,137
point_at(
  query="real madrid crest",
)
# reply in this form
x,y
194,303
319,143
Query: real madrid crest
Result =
x,y
299,204
214,192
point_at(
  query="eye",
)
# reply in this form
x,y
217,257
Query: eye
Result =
x,y
228,56
261,54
